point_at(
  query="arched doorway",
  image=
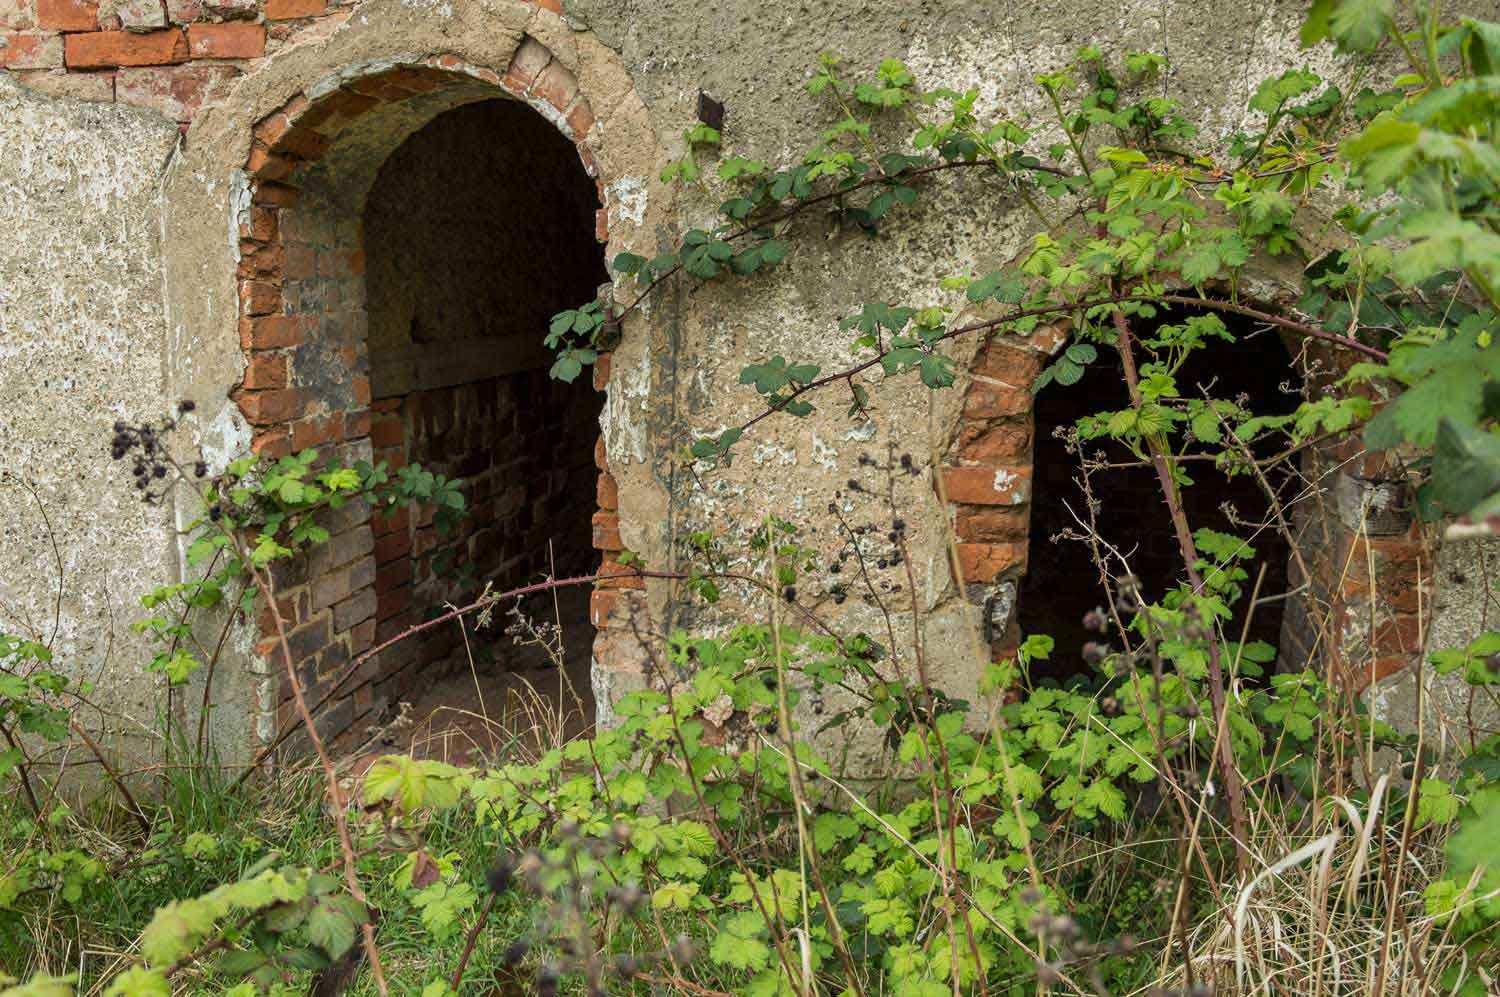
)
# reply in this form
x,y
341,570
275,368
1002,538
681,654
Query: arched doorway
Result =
x,y
409,233
1062,582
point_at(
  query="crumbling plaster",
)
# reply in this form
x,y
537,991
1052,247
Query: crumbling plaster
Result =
x,y
80,347
675,374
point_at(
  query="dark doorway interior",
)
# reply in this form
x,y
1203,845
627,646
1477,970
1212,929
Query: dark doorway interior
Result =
x,y
479,228
1062,581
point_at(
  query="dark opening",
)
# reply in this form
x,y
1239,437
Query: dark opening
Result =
x,y
1062,581
477,230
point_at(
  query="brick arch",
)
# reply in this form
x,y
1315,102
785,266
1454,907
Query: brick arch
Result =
x,y
987,472
306,382
1359,617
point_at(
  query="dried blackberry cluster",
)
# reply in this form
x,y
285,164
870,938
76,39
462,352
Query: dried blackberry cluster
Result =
x,y
145,443
862,541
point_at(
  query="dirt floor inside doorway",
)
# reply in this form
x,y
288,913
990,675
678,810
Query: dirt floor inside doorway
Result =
x,y
523,687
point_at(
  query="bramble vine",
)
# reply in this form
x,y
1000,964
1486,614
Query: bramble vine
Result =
x,y
708,842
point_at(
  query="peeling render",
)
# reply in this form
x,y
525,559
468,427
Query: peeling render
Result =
x,y
111,229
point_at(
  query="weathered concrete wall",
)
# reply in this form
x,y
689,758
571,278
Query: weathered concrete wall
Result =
x,y
82,344
640,67
1452,713
757,62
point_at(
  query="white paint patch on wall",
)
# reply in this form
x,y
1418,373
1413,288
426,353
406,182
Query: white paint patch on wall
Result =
x,y
626,198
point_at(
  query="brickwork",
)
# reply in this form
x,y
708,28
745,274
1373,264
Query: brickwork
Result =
x,y
1369,580
166,55
1358,617
304,329
986,478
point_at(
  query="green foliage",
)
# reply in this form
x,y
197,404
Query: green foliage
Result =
x,y
709,807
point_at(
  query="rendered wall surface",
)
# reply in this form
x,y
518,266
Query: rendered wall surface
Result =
x,y
81,345
220,71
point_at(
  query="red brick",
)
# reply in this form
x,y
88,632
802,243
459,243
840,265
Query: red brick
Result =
x,y
31,51
601,225
987,485
67,15
606,606
259,297
601,456
272,444
16,15
1006,362
230,40
530,59
556,85
984,562
387,431
986,400
380,88
394,522
261,225
553,5
271,332
265,370
581,119
392,546
286,10
276,195
1399,635
393,574
342,103
308,433
356,425
101,49
176,91
392,602
278,405
261,262
607,531
414,79
608,492
183,11
303,143
1001,443
361,388
266,165
603,364
990,523
614,575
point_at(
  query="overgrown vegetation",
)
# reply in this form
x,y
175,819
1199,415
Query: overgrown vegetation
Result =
x,y
1177,816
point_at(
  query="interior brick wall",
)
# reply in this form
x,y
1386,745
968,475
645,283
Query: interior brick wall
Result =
x,y
306,333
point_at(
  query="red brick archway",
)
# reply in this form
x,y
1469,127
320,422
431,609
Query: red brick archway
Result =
x,y
307,380
1359,616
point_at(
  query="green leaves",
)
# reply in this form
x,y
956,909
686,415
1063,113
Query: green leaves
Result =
x,y
1479,660
411,784
442,905
739,943
1359,24
776,373
1466,470
1067,369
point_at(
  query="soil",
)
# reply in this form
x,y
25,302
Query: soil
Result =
x,y
508,699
